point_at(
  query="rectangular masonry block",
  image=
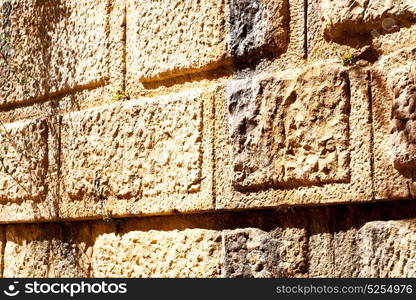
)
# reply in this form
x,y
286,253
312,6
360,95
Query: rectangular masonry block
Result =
x,y
51,47
47,250
187,253
376,17
377,249
138,157
295,137
168,38
394,98
28,170
255,253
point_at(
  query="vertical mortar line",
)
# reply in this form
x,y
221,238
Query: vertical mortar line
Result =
x,y
213,150
305,28
59,173
371,123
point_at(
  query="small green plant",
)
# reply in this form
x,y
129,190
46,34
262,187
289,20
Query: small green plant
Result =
x,y
347,59
120,95
108,216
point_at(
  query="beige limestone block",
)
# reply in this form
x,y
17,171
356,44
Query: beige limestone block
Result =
x,y
174,253
151,155
394,95
364,29
352,17
300,136
168,38
54,47
387,249
47,250
29,170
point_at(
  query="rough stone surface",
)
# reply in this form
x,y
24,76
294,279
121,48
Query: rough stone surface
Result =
x,y
28,164
387,249
54,46
402,83
353,17
257,26
290,132
187,253
136,157
250,253
294,137
199,36
46,250
394,93
169,37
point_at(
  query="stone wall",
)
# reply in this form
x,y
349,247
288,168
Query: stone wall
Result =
x,y
211,138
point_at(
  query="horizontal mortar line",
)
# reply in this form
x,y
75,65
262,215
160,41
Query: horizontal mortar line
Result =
x,y
47,97
262,218
217,71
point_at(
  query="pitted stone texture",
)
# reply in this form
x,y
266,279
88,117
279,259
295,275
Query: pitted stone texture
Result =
x,y
387,249
168,38
28,165
352,17
258,26
55,46
255,253
24,159
394,96
402,83
250,253
294,137
187,253
46,250
138,156
290,132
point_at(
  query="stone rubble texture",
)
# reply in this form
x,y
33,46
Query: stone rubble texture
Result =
x,y
210,138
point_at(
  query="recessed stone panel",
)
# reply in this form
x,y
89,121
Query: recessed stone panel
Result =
x,y
294,137
289,132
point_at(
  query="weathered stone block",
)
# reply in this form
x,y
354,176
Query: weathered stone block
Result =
x,y
394,96
351,17
28,165
287,132
257,26
250,253
387,249
187,253
46,250
51,47
374,249
140,156
294,137
169,38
